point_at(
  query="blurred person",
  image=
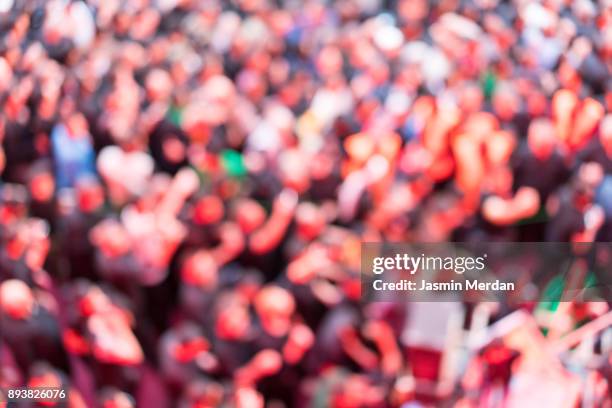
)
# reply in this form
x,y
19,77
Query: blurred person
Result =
x,y
72,150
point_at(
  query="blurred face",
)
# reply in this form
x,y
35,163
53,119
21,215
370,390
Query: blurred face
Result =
x,y
77,124
274,307
250,215
500,147
233,323
16,299
310,220
111,238
42,187
174,150
158,85
90,197
200,270
505,104
541,138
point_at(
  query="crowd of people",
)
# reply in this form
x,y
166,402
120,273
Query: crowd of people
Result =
x,y
185,185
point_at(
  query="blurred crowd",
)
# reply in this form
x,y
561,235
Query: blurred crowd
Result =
x,y
185,186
